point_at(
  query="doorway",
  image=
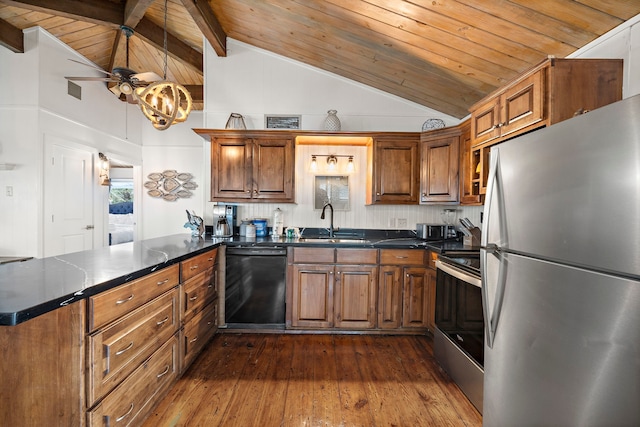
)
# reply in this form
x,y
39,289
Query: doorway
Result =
x,y
121,204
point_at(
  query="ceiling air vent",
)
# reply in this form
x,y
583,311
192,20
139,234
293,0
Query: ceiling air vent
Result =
x,y
74,90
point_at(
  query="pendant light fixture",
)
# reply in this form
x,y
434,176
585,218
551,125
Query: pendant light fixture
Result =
x,y
164,102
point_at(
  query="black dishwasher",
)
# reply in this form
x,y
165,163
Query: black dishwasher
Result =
x,y
255,287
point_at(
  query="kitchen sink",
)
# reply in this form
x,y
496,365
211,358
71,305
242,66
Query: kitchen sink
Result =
x,y
333,240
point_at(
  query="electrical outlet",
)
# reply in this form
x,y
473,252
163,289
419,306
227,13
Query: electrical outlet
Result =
x,y
9,191
392,223
402,222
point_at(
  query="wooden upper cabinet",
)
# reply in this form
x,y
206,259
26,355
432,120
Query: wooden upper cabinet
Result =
x,y
440,151
470,168
273,169
252,167
394,169
552,91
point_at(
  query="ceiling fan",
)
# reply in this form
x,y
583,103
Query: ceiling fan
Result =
x,y
122,81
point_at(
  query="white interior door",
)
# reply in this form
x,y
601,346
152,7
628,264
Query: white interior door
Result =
x,y
68,200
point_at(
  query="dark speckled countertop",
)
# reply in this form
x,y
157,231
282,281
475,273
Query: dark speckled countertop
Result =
x,y
37,286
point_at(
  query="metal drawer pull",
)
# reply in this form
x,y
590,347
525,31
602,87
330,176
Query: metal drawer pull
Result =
x,y
194,267
122,301
210,259
195,339
162,374
118,353
401,256
125,415
193,298
162,321
162,282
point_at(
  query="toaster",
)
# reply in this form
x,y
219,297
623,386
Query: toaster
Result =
x,y
431,231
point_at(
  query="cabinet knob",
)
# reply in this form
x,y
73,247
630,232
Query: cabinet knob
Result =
x,y
377,194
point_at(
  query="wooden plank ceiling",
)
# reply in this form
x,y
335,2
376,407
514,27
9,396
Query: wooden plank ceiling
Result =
x,y
442,54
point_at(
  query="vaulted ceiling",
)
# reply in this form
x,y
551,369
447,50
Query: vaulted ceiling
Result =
x,y
442,54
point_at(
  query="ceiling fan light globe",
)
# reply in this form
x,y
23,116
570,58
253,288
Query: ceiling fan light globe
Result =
x,y
126,88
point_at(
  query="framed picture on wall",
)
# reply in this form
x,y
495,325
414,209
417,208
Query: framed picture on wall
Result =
x,y
282,121
331,189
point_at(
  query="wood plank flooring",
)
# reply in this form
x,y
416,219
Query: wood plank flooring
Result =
x,y
315,380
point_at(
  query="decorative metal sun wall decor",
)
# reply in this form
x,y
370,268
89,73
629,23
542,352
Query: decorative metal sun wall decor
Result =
x,y
170,185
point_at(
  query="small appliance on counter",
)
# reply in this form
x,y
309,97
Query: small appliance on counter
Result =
x,y
434,231
229,212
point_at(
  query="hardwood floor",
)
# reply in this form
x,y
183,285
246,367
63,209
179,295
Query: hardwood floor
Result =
x,y
315,380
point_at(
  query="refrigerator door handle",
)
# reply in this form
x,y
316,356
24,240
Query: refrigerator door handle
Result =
x,y
493,293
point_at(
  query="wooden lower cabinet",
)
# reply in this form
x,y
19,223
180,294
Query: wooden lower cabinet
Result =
x,y
132,401
355,296
416,299
312,295
390,297
387,289
406,296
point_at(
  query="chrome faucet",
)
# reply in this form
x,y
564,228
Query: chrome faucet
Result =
x,y
331,218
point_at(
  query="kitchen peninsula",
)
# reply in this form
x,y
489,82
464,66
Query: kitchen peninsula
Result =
x,y
153,304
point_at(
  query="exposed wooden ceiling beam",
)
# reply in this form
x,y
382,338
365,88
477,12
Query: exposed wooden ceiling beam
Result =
x,y
95,11
176,48
208,23
196,91
134,11
11,37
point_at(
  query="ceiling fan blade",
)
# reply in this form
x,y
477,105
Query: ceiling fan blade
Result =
x,y
116,90
90,66
92,79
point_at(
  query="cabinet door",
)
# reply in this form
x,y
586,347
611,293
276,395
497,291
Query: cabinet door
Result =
x,y
522,104
355,296
395,175
485,122
273,169
415,313
231,169
390,297
440,165
312,299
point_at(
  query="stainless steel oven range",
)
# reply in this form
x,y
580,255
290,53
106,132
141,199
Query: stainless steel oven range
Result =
x,y
459,335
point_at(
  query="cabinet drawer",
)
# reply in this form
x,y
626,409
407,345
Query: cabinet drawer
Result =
x,y
402,256
313,255
198,292
112,304
198,332
114,352
197,264
357,256
131,402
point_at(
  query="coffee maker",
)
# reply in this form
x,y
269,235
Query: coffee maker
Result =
x,y
227,212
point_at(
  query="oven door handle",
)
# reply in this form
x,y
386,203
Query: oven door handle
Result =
x,y
458,274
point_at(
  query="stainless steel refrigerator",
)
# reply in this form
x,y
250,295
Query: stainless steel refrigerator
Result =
x,y
560,260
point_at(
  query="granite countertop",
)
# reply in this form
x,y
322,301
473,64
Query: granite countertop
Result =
x,y
37,286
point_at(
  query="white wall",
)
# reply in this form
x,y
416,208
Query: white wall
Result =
x,y
254,82
34,108
621,42
177,148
